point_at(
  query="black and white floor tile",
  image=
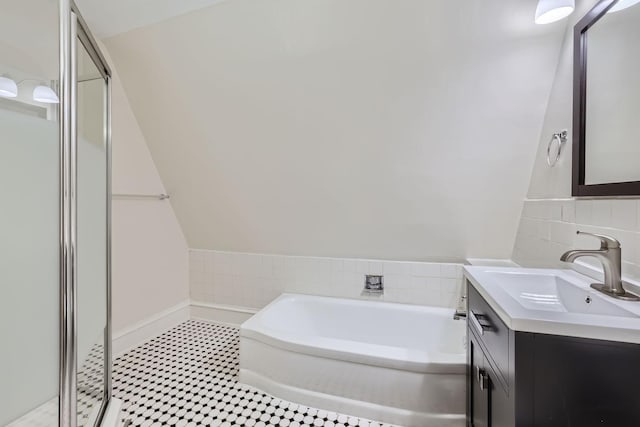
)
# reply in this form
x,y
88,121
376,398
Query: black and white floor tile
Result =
x,y
188,377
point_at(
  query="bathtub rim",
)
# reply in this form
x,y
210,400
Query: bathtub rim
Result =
x,y
339,349
269,369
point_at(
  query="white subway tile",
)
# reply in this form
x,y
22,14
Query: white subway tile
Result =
x,y
449,285
601,213
529,227
397,281
452,271
555,210
562,232
209,262
448,299
337,265
196,261
375,267
584,209
629,244
223,262
543,230
569,211
527,209
631,271
362,266
401,268
624,214
397,295
349,265
423,269
424,296
636,239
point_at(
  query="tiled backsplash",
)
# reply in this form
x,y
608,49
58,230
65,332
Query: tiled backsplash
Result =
x,y
253,280
548,229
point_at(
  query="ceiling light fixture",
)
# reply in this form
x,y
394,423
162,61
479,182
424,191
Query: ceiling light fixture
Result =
x,y
623,4
45,95
549,11
8,88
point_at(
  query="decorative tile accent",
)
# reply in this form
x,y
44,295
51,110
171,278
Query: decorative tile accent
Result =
x,y
188,377
251,280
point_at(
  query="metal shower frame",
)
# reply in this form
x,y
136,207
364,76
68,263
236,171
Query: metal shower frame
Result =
x,y
72,28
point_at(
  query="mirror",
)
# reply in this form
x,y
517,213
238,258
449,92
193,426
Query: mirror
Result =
x,y
607,101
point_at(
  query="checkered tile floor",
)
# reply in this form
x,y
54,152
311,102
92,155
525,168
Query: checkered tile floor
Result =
x,y
188,377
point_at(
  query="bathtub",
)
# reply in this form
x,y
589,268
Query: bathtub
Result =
x,y
394,363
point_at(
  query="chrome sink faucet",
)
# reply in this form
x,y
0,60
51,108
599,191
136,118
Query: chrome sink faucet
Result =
x,y
610,256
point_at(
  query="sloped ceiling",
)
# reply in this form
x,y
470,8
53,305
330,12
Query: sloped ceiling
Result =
x,y
365,128
112,17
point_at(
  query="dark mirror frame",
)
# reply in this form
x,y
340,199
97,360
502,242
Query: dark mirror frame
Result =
x,y
578,187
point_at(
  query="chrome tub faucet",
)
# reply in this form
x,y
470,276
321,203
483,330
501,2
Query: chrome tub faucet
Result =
x,y
610,256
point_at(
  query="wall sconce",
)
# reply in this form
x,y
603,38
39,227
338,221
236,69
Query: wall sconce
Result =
x,y
41,93
623,4
549,11
8,88
45,95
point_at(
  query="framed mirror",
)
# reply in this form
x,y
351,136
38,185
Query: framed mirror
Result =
x,y
606,101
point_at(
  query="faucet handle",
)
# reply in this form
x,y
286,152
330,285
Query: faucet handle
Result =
x,y
606,242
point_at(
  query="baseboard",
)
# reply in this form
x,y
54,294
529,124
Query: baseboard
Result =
x,y
150,327
113,416
223,314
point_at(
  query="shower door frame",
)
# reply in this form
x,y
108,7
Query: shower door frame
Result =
x,y
72,28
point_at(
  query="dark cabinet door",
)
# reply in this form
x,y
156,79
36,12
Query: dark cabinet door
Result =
x,y
479,389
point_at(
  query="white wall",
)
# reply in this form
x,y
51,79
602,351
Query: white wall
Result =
x,y
551,216
367,129
150,254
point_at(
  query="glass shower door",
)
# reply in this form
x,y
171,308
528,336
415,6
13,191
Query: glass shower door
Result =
x,y
92,236
29,213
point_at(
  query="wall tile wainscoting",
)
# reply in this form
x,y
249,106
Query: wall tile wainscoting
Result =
x,y
253,280
548,229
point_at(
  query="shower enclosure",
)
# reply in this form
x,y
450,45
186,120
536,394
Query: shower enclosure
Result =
x,y
55,268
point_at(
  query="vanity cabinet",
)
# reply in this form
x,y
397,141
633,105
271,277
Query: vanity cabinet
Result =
x,y
530,379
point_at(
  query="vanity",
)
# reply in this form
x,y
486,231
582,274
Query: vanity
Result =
x,y
546,349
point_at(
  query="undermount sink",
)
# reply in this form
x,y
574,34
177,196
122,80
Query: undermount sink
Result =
x,y
550,292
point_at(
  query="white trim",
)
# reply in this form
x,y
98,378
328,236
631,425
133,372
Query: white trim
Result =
x,y
219,313
112,418
159,323
345,405
150,327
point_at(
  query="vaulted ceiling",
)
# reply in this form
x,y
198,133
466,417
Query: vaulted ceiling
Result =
x,y
369,128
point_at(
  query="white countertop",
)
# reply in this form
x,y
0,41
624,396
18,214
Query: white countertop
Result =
x,y
491,282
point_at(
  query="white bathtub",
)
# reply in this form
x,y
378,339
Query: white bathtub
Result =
x,y
395,363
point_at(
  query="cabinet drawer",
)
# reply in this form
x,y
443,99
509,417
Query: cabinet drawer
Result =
x,y
491,332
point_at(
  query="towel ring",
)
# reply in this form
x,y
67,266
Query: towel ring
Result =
x,y
561,138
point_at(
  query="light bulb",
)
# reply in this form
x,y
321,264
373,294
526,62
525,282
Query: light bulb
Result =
x,y
8,88
45,95
623,4
549,11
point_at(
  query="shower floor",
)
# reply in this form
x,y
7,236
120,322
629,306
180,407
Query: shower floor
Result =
x,y
188,377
